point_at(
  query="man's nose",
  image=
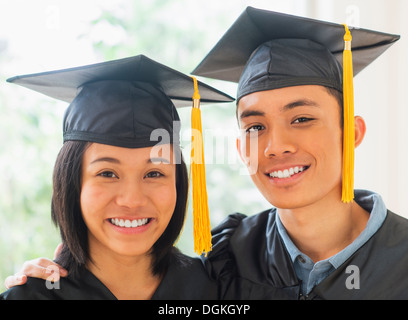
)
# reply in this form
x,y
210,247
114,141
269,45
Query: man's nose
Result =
x,y
279,142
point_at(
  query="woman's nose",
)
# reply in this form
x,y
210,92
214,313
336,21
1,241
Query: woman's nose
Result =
x,y
131,195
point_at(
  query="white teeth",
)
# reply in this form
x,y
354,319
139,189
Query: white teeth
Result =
x,y
287,173
129,223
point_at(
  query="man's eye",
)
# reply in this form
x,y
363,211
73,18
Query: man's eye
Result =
x,y
255,129
154,174
302,120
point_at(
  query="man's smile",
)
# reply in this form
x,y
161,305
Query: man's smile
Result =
x,y
287,173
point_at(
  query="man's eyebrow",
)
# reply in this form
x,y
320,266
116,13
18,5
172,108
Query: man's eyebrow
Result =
x,y
251,113
300,103
289,106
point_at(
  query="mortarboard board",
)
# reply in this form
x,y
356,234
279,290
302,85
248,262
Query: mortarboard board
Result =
x,y
121,102
227,59
63,84
266,50
137,93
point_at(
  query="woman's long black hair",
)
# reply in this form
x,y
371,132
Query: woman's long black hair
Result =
x,y
66,212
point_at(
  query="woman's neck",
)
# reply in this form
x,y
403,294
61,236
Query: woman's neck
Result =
x,y
128,278
323,229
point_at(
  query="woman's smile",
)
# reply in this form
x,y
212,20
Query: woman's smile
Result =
x,y
130,226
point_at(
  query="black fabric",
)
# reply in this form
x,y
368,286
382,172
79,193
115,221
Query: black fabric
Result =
x,y
250,261
84,287
120,113
290,62
227,59
185,279
63,84
121,102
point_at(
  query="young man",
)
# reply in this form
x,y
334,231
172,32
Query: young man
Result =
x,y
322,241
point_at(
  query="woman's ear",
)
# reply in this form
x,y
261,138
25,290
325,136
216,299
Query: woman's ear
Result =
x,y
360,130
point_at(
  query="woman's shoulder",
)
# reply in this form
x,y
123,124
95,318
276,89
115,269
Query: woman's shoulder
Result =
x,y
82,285
186,278
186,267
33,289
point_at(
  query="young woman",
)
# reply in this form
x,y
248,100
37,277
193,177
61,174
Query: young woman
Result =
x,y
119,198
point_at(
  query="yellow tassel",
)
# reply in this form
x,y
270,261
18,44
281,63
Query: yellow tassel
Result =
x,y
348,131
201,219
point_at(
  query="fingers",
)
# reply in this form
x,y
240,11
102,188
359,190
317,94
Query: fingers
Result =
x,y
38,268
15,280
43,268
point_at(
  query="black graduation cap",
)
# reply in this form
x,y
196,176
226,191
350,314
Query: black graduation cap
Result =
x,y
288,38
266,50
119,102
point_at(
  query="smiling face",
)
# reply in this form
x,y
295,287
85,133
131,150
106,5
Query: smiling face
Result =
x,y
127,198
299,136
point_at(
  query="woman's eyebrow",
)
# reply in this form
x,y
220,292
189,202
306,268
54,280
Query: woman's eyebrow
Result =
x,y
105,159
158,160
116,161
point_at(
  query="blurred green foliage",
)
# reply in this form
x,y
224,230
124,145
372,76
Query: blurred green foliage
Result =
x,y
30,126
27,157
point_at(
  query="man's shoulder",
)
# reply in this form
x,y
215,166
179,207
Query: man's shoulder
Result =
x,y
236,230
236,221
398,219
379,266
395,227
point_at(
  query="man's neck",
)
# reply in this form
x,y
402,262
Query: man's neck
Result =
x,y
323,229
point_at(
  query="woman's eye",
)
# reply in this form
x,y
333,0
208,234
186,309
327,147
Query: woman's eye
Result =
x,y
108,174
255,129
154,174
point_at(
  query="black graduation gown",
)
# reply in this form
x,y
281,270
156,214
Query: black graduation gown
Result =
x,y
250,261
184,280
